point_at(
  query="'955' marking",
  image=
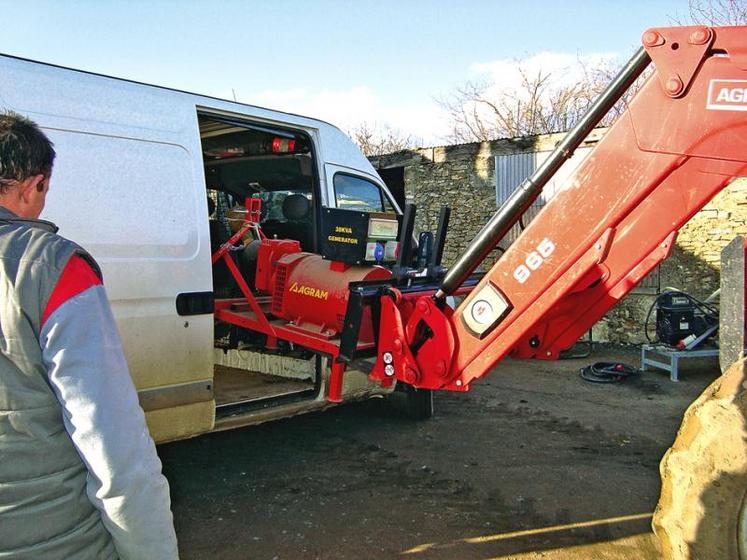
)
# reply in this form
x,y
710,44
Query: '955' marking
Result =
x,y
534,260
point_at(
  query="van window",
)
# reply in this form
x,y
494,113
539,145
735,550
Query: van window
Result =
x,y
356,193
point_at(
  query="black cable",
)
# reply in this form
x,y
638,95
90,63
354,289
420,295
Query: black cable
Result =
x,y
566,355
607,372
648,316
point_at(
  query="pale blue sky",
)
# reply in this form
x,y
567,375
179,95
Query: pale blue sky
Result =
x,y
379,61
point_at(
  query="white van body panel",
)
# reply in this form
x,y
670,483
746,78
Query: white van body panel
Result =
x,y
125,188
129,186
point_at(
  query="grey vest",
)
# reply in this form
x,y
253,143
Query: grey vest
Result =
x,y
44,510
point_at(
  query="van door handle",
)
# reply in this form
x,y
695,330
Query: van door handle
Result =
x,y
195,303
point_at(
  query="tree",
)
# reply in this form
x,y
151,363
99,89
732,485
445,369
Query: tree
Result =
x,y
540,101
718,12
374,140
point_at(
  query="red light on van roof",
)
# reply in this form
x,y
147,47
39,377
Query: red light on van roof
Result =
x,y
283,145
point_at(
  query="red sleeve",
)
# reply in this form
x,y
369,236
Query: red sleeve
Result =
x,y
77,277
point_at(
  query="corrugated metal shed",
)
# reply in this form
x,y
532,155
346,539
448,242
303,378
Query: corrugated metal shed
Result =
x,y
510,172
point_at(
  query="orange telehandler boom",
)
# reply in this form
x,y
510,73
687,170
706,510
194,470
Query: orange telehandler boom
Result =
x,y
681,139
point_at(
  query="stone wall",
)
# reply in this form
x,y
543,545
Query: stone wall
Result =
x,y
463,177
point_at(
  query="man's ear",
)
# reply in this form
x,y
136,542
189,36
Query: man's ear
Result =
x,y
27,188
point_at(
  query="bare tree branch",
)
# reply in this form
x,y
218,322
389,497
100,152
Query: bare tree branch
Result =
x,y
718,12
374,140
539,104
542,103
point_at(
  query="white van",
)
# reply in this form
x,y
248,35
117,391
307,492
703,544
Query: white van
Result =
x,y
145,179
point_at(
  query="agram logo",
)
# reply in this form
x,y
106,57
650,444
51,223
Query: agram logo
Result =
x,y
310,291
727,95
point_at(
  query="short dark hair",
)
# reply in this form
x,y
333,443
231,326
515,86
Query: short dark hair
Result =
x,y
25,151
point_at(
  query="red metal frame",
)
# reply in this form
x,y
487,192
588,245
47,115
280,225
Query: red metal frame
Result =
x,y
252,312
615,219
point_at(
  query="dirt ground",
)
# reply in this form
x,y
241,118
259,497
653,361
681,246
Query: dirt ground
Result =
x,y
532,463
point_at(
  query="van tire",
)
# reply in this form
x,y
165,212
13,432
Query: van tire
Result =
x,y
702,510
419,404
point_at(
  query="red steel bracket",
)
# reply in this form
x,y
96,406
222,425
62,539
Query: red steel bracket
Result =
x,y
437,347
394,360
677,53
420,354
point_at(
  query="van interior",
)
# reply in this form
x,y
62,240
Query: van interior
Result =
x,y
251,160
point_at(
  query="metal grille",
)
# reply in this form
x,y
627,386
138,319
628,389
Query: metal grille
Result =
x,y
510,172
277,295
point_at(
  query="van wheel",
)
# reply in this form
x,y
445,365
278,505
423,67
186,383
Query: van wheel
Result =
x,y
702,511
419,404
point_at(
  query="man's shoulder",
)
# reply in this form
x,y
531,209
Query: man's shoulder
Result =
x,y
25,236
24,240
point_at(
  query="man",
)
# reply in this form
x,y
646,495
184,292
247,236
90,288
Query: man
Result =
x,y
79,474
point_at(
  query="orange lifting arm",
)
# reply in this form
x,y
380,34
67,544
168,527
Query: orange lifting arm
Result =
x,y
681,140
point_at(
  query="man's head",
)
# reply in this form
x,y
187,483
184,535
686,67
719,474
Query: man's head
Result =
x,y
26,159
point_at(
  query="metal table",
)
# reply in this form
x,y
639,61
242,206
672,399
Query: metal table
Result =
x,y
674,355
